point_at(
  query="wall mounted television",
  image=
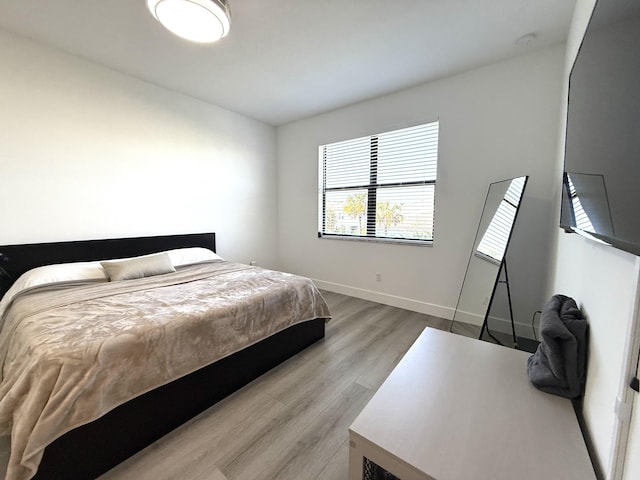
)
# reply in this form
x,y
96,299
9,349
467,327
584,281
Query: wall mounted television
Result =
x,y
601,182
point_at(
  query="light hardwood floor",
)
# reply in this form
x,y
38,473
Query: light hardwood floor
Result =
x,y
291,423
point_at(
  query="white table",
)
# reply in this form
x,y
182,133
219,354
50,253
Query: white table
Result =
x,y
458,408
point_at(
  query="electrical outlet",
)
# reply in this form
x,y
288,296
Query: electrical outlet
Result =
x,y
378,277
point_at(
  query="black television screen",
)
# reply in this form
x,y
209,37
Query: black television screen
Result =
x,y
601,184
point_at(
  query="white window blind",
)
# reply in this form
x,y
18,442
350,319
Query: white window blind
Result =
x,y
496,237
381,186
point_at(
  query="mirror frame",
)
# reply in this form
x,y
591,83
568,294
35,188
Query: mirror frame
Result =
x,y
501,264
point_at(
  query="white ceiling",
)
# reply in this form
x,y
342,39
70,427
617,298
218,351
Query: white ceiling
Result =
x,y
289,59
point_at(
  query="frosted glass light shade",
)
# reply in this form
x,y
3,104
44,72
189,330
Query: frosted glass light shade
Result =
x,y
202,21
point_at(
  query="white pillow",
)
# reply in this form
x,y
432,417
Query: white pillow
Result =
x,y
47,274
138,267
189,256
177,258
93,271
61,272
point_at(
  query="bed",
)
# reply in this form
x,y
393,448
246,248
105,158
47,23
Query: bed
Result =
x,y
133,392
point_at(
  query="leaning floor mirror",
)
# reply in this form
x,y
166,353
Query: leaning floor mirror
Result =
x,y
487,261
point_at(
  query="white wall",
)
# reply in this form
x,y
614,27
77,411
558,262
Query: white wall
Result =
x,y
496,122
86,152
632,463
604,282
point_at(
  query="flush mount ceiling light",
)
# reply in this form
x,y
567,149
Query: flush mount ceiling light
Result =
x,y
202,21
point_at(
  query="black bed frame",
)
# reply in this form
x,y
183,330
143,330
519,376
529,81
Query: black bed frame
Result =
x,y
92,449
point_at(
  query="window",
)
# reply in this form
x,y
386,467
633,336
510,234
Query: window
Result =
x,y
381,186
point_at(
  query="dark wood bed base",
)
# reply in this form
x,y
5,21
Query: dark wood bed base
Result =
x,y
92,449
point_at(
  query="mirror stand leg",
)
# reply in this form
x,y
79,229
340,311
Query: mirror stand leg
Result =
x,y
485,326
513,325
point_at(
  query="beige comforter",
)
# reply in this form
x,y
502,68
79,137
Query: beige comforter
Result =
x,y
69,355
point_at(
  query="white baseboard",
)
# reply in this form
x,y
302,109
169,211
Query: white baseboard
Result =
x,y
504,326
498,324
386,299
470,318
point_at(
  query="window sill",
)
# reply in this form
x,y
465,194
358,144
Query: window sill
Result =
x,y
397,241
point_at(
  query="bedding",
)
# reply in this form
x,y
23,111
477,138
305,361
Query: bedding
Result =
x,y
74,272
72,351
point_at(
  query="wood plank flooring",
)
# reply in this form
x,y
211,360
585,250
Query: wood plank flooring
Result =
x,y
291,423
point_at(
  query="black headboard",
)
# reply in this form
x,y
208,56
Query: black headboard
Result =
x,y
17,259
